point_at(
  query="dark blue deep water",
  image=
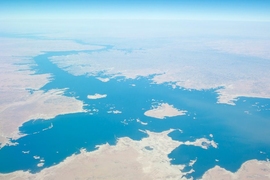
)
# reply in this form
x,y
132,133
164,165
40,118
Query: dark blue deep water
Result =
x,y
240,136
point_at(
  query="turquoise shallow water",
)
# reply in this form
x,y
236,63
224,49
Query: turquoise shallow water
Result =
x,y
240,136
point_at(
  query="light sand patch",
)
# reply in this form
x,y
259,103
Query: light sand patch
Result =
x,y
203,143
142,123
114,112
40,164
164,110
50,127
97,96
253,170
192,162
36,157
125,122
103,79
128,159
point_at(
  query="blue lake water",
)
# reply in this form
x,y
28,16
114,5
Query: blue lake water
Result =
x,y
240,136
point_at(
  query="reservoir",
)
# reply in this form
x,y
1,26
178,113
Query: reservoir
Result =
x,y
240,136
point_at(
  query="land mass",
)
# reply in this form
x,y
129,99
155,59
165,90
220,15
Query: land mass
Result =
x,y
164,110
128,159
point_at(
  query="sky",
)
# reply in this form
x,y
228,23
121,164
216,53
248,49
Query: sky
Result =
x,y
239,10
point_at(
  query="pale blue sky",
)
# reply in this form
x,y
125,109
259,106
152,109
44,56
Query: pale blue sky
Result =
x,y
249,10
